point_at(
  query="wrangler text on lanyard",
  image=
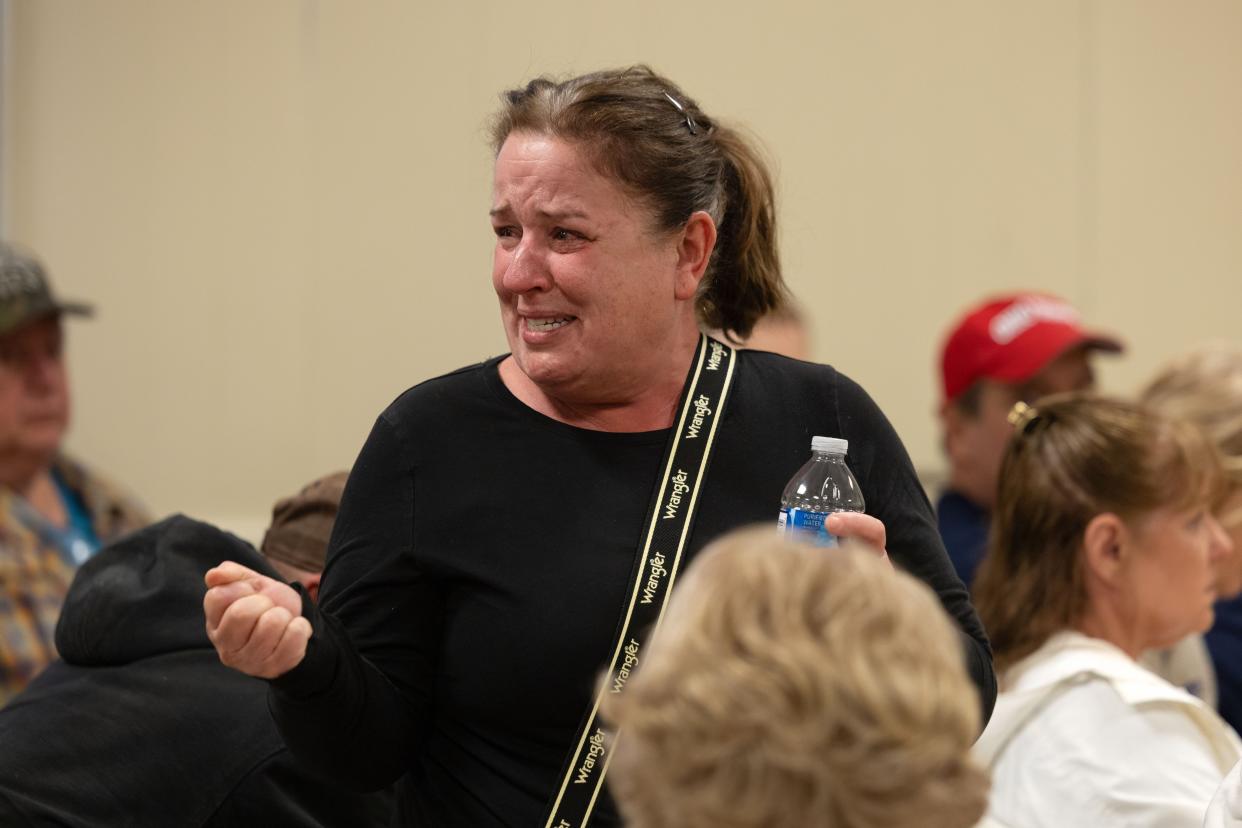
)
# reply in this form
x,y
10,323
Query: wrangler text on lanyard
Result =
x,y
669,520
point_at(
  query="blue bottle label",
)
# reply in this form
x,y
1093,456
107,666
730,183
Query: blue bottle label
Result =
x,y
806,526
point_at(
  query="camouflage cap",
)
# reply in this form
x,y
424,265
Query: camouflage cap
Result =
x,y
25,294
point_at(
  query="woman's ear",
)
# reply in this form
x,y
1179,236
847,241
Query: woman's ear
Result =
x,y
1103,544
694,252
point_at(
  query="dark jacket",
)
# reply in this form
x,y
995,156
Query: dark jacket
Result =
x,y
140,724
964,529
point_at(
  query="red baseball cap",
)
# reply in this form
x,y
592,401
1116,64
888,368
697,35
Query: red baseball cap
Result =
x,y
1010,338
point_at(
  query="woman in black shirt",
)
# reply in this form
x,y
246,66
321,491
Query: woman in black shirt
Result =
x,y
485,550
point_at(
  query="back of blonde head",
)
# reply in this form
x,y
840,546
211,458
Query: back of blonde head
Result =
x,y
1205,386
794,686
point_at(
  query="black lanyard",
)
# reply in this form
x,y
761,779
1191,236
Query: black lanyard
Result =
x,y
669,520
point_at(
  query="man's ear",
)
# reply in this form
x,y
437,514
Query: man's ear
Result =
x,y
1104,541
954,421
694,253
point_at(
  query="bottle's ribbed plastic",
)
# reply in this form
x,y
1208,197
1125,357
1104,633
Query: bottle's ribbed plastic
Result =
x,y
822,486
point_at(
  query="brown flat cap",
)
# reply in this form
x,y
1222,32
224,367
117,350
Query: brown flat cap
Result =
x,y
302,524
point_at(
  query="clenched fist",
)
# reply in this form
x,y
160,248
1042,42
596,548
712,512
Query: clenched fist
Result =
x,y
255,622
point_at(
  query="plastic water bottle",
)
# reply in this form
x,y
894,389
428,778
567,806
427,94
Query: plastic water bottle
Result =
x,y
822,486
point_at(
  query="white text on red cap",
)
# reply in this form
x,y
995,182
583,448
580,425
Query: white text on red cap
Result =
x,y
1019,317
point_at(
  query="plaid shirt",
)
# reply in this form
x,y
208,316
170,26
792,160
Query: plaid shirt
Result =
x,y
35,574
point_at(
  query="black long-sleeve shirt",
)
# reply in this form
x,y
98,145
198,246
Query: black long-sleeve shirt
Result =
x,y
481,559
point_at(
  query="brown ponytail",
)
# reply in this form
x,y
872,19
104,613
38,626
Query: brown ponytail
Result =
x,y
1078,456
745,280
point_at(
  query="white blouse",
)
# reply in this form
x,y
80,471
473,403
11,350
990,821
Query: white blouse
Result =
x,y
1082,735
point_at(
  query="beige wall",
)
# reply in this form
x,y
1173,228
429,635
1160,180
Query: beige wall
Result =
x,y
280,207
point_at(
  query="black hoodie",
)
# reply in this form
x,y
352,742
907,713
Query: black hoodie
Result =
x,y
140,725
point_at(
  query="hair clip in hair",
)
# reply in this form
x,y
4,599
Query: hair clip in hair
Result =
x,y
1022,416
684,113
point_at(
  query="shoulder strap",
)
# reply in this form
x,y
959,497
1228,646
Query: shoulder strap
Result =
x,y
669,519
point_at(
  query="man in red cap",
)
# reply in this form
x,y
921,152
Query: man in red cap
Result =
x,y
1009,349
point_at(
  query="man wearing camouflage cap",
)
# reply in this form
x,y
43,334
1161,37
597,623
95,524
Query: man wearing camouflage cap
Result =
x,y
54,511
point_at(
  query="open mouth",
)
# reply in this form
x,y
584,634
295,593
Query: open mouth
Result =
x,y
550,323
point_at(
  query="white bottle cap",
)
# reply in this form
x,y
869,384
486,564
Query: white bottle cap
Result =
x,y
831,445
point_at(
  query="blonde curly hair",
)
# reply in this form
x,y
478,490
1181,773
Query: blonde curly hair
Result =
x,y
798,686
1204,386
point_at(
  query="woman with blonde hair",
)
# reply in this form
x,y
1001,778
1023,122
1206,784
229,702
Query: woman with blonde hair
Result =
x,y
793,686
1104,545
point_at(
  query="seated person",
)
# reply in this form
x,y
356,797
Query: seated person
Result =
x,y
54,511
1204,386
1009,348
793,687
141,725
1104,545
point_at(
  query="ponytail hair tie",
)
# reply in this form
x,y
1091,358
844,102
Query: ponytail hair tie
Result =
x,y
1022,417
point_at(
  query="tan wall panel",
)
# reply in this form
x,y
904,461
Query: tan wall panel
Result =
x,y
280,207
1170,178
